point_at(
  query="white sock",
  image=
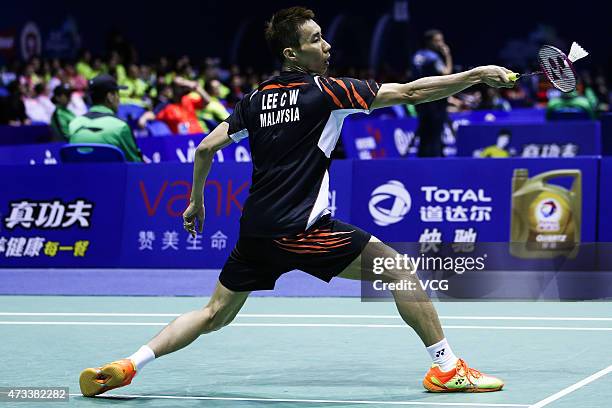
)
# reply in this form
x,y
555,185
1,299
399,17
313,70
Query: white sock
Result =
x,y
442,355
142,357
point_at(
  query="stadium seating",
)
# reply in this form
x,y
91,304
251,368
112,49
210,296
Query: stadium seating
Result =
x,y
90,152
568,114
130,113
158,128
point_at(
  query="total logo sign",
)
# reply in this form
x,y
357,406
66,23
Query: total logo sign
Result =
x,y
389,203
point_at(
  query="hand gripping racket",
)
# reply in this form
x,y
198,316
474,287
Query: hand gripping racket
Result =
x,y
557,66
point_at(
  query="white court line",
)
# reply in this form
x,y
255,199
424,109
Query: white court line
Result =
x,y
315,401
317,316
572,388
91,314
343,325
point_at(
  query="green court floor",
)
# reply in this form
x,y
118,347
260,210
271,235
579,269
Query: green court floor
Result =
x,y
310,352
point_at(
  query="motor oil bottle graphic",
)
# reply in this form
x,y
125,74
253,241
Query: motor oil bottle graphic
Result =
x,y
546,217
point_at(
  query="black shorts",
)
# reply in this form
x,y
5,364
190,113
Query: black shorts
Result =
x,y
323,251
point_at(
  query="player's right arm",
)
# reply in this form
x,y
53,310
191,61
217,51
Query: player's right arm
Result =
x,y
211,144
204,154
233,129
439,87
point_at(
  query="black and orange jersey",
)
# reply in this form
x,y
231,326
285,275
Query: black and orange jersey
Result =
x,y
293,122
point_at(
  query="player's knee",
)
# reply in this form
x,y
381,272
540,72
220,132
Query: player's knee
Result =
x,y
211,320
214,319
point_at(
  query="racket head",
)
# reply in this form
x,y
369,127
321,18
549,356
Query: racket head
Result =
x,y
558,68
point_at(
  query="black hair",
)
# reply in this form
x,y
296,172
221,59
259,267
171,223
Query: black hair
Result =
x,y
504,132
282,31
208,85
429,35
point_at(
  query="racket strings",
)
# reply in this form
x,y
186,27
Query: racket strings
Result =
x,y
557,68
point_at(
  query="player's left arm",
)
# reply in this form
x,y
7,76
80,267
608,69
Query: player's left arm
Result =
x,y
204,154
439,87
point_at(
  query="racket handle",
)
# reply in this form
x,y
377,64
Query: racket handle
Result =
x,y
514,76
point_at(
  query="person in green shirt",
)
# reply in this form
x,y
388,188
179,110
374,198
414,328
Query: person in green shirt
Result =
x,y
570,100
62,116
100,125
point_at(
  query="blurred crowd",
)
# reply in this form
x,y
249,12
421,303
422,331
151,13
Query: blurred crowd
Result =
x,y
29,92
592,95
168,89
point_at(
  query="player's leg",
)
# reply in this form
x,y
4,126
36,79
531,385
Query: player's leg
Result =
x,y
448,373
222,308
414,306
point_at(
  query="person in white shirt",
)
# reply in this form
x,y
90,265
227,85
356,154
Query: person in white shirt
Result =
x,y
39,107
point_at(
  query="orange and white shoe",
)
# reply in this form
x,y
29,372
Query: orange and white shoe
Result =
x,y
95,381
460,379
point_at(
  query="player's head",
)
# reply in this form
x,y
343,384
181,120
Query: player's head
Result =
x,y
433,39
503,138
294,36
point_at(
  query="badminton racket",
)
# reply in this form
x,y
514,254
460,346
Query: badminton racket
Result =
x,y
556,66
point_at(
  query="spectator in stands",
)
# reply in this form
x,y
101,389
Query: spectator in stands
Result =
x,y
434,59
62,116
227,85
164,71
29,78
115,67
38,105
602,91
12,109
180,115
148,76
77,103
518,97
595,91
77,81
211,69
214,112
98,67
83,65
100,125
164,96
56,78
135,88
570,102
492,100
237,89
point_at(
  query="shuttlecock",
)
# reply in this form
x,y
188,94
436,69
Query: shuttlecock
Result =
x,y
577,52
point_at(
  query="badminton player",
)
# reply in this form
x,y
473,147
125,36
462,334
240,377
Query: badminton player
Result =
x,y
293,122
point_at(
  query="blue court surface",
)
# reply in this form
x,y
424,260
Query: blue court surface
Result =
x,y
310,352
